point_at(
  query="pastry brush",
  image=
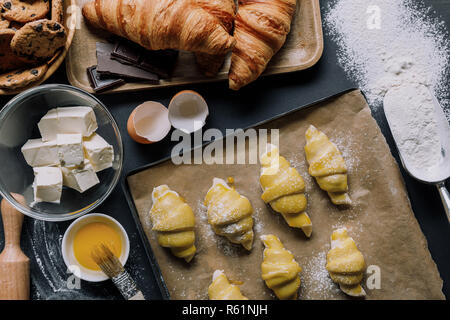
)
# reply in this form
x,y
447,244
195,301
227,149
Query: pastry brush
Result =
x,y
112,267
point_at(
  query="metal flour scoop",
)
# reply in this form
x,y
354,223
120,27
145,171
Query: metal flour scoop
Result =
x,y
439,173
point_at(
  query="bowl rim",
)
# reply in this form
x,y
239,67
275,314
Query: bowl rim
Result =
x,y
65,217
100,276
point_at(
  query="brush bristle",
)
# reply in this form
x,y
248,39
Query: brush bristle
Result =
x,y
106,260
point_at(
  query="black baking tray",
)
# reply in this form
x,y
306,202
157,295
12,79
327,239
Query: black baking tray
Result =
x,y
148,250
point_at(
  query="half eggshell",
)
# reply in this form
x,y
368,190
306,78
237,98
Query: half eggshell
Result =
x,y
149,123
188,111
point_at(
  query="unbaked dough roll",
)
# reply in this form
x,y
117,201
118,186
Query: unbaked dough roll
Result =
x,y
174,221
284,189
279,269
327,166
222,289
345,263
230,214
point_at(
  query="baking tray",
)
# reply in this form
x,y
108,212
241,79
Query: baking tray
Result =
x,y
147,247
302,50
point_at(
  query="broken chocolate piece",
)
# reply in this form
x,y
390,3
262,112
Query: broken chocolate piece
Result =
x,y
106,65
102,83
161,62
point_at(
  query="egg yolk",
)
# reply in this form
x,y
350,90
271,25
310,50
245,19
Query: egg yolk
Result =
x,y
90,236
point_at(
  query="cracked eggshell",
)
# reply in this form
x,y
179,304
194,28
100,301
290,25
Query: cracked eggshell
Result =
x,y
149,123
188,111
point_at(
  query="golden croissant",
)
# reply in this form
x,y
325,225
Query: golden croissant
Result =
x,y
222,289
327,166
279,269
174,221
161,24
261,28
345,263
224,11
284,189
230,214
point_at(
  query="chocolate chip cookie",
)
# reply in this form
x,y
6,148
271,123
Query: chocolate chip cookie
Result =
x,y
8,60
39,40
57,11
24,10
21,78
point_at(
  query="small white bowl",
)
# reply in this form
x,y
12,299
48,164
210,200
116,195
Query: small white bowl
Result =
x,y
67,246
188,111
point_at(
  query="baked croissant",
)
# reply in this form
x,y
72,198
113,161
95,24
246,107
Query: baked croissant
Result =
x,y
161,24
174,222
327,165
284,189
224,11
230,214
279,269
260,31
345,263
222,289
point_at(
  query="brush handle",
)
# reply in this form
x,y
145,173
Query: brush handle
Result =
x,y
127,287
14,264
137,296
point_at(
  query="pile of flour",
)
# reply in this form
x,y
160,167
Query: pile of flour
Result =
x,y
387,43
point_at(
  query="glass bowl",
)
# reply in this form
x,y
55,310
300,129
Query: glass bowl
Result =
x,y
18,123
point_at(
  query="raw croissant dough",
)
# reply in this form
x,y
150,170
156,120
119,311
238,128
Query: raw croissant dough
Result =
x,y
346,264
279,269
222,289
230,214
327,165
284,189
174,222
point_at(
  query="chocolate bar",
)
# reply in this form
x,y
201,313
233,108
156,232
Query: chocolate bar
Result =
x,y
161,62
108,66
101,83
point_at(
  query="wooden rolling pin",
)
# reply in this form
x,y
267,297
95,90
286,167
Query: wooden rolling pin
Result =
x,y
14,264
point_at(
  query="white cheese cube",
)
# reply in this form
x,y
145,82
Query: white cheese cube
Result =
x,y
99,152
38,153
77,120
48,126
70,149
80,178
47,184
68,120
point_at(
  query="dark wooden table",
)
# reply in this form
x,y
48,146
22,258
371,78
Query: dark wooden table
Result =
x,y
262,100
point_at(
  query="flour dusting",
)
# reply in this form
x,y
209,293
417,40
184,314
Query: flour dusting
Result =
x,y
385,43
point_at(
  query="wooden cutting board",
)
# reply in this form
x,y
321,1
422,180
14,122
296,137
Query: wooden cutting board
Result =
x,y
303,48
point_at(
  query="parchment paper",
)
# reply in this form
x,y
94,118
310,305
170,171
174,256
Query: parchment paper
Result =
x,y
380,221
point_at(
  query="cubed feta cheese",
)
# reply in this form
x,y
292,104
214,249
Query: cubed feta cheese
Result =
x,y
77,120
80,178
68,120
38,153
47,184
70,149
99,152
48,126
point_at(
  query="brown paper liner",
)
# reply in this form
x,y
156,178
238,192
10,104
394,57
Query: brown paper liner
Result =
x,y
380,220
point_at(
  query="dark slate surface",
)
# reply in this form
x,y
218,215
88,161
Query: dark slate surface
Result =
x,y
260,101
